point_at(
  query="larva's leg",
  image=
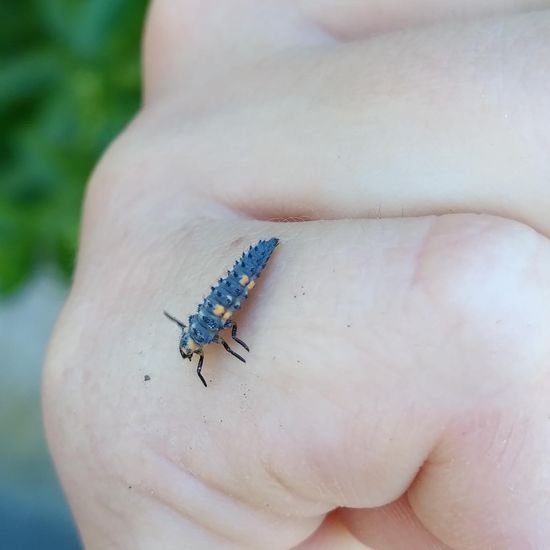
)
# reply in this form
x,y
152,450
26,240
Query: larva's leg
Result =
x,y
234,335
177,321
227,348
199,368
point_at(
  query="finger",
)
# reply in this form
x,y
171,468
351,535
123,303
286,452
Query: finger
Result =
x,y
396,125
193,39
356,19
198,37
378,350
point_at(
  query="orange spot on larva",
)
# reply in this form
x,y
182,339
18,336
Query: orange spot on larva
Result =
x,y
251,285
244,280
227,315
219,310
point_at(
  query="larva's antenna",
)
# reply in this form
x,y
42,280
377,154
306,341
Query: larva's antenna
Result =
x,y
177,321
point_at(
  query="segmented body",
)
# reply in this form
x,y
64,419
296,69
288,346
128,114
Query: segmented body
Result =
x,y
226,297
215,312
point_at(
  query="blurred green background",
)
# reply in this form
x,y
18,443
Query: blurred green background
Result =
x,y
69,82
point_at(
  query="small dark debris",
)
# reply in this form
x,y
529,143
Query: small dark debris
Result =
x,y
298,361
303,293
129,486
348,326
146,378
237,241
294,295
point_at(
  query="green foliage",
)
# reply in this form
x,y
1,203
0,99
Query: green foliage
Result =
x,y
69,82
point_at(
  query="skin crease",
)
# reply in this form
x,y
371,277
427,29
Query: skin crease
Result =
x,y
396,392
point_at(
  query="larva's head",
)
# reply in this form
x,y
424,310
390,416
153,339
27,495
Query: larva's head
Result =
x,y
188,346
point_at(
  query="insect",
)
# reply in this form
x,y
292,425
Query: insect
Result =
x,y
214,313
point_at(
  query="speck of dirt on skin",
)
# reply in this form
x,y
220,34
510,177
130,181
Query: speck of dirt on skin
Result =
x,y
146,378
237,241
298,361
294,295
349,326
129,486
303,293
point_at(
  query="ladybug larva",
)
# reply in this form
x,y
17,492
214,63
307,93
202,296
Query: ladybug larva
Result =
x,y
214,314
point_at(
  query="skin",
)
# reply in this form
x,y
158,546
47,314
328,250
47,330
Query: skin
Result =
x,y
397,389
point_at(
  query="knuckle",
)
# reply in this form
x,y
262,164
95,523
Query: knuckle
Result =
x,y
489,276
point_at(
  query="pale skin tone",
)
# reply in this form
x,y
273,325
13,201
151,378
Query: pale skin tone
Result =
x,y
396,394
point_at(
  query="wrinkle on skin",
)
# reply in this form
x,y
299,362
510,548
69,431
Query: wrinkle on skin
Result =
x,y
358,19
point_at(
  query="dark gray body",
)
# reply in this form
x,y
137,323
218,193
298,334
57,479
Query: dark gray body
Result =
x,y
229,293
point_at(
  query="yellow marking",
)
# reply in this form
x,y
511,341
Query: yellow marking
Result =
x,y
244,280
191,344
227,314
219,310
251,284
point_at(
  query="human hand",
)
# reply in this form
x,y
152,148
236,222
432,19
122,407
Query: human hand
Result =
x,y
397,390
